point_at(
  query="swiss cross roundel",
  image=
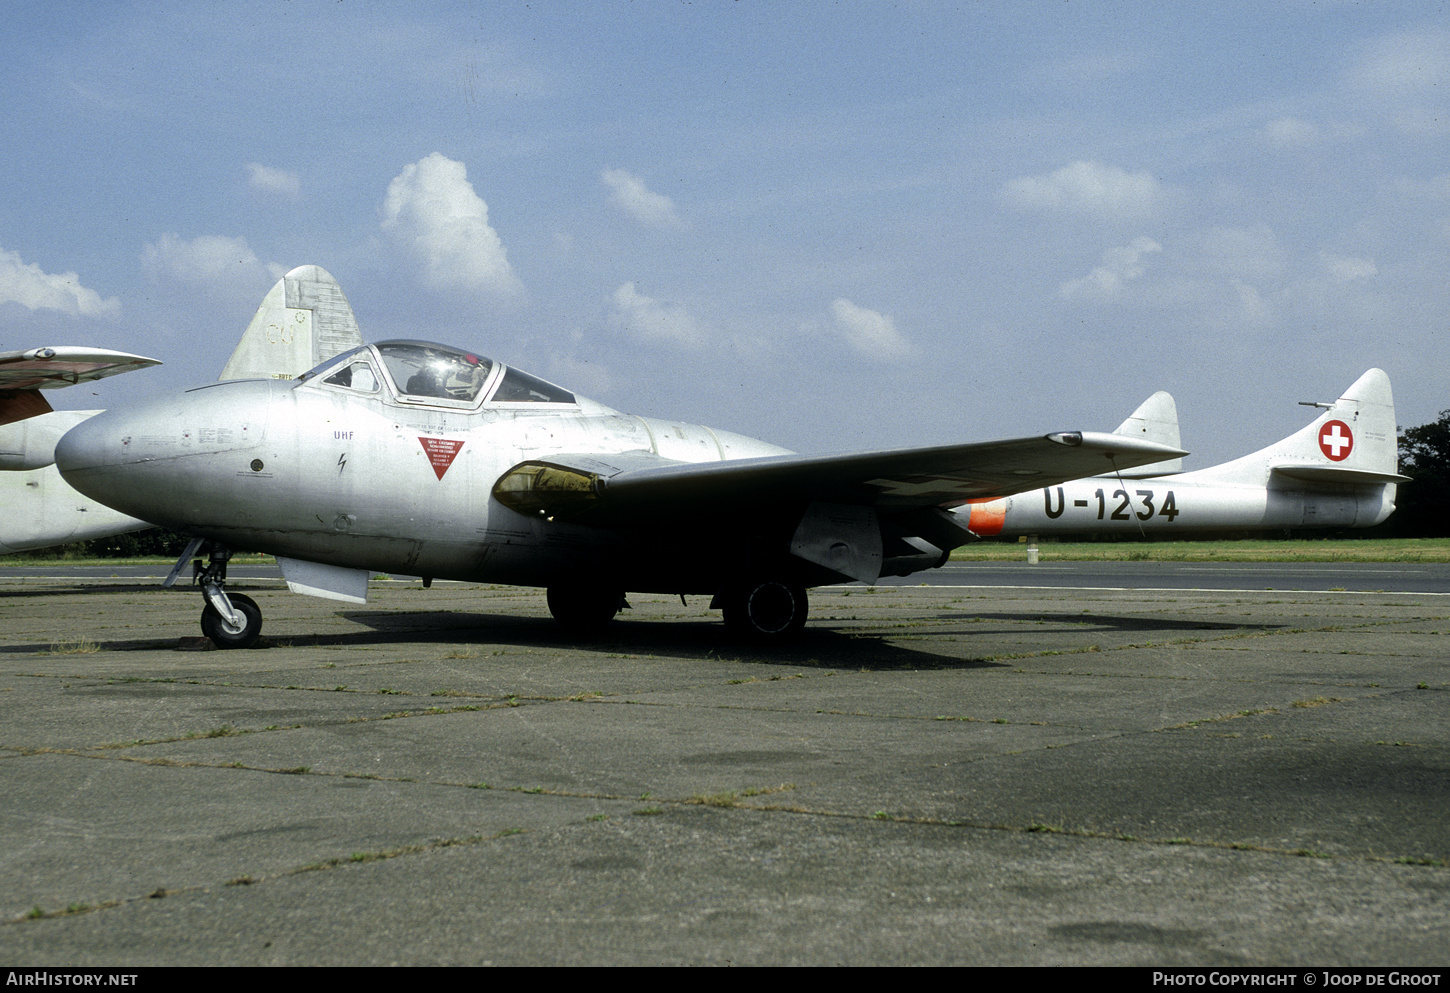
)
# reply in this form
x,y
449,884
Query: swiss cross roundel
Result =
x,y
1336,441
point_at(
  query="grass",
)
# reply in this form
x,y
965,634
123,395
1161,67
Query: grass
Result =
x,y
80,646
1247,550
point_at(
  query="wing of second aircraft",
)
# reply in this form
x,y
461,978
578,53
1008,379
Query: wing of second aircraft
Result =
x,y
24,373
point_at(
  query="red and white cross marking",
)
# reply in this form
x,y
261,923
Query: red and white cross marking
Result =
x,y
1336,441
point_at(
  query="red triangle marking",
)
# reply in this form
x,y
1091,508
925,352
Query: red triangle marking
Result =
x,y
441,453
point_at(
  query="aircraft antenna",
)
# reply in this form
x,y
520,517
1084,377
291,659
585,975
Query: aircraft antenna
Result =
x,y
1124,485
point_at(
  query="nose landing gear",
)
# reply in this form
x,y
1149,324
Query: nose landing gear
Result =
x,y
237,632
229,620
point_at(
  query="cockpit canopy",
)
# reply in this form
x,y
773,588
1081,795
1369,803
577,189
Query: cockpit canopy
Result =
x,y
423,372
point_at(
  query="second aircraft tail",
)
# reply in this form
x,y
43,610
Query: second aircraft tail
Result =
x,y
1352,441
304,320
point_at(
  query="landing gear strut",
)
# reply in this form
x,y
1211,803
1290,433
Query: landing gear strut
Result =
x,y
229,620
765,609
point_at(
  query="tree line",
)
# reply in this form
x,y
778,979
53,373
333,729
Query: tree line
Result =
x,y
1422,507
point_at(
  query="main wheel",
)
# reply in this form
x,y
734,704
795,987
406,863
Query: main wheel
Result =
x,y
766,609
225,635
584,609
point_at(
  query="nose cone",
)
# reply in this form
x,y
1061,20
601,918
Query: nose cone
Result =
x,y
155,461
84,452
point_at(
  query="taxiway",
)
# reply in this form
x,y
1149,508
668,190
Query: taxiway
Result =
x,y
947,775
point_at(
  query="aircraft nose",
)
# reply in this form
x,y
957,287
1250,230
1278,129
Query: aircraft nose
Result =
x,y
90,457
166,460
80,448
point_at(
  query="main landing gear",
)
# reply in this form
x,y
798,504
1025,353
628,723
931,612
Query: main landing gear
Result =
x,y
584,609
230,620
770,609
763,609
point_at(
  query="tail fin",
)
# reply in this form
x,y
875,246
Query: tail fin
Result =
x,y
303,320
1156,419
1352,441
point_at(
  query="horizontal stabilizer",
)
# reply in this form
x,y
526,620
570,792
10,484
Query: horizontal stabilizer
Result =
x,y
22,373
1336,474
1353,440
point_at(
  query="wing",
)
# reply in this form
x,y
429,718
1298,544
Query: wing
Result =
x,y
22,373
52,368
638,487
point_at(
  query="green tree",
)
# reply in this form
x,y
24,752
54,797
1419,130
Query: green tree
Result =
x,y
1423,506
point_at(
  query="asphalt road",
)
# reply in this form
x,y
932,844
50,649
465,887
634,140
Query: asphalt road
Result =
x,y
932,775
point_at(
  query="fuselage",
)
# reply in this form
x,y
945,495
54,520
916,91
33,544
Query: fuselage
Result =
x,y
1184,503
385,479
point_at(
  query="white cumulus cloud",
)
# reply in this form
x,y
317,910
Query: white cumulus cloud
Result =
x,y
1405,63
265,179
630,194
1119,266
1088,188
646,317
27,284
870,333
433,212
1291,134
207,259
1347,268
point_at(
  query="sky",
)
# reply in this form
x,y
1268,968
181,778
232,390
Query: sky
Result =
x,y
834,226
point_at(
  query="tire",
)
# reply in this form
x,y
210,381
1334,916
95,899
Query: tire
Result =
x,y
584,609
767,610
222,634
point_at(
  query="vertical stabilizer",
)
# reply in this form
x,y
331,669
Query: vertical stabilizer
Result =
x,y
303,320
1353,441
1156,419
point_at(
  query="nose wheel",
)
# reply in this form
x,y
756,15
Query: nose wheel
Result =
x,y
239,632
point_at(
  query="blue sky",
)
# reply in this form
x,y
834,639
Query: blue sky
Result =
x,y
831,225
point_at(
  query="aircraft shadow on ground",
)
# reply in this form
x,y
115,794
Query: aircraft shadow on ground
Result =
x,y
815,647
819,646
1125,622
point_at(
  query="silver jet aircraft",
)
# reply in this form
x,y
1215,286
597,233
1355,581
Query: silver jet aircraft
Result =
x,y
425,459
1340,471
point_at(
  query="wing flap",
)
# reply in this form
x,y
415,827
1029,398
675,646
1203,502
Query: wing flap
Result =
x,y
638,487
